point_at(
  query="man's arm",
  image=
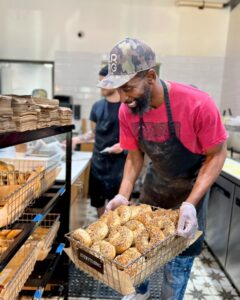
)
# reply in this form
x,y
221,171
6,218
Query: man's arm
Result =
x,y
210,170
208,173
132,169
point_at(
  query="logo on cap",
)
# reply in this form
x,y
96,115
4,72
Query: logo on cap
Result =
x,y
113,62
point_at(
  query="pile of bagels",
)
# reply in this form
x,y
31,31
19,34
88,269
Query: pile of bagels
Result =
x,y
127,233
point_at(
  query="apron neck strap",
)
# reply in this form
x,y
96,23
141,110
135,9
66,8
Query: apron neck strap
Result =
x,y
169,112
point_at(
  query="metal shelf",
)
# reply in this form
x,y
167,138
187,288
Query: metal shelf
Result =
x,y
14,138
62,193
27,229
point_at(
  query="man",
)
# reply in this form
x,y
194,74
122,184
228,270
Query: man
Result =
x,y
106,166
180,129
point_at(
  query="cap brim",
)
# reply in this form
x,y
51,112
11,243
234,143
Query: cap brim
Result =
x,y
114,81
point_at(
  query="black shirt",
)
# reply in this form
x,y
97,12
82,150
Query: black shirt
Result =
x,y
105,115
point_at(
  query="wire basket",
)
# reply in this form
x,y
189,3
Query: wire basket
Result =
x,y
28,163
49,177
45,233
18,195
4,244
15,274
121,278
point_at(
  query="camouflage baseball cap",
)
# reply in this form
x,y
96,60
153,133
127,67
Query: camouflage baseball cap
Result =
x,y
126,59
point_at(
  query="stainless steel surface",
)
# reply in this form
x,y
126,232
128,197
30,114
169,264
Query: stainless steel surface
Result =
x,y
219,216
233,141
233,261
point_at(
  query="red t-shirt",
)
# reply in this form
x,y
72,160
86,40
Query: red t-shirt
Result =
x,y
197,121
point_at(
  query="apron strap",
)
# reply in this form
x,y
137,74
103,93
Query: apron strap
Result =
x,y
169,112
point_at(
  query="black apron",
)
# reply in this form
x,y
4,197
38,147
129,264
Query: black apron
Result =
x,y
106,169
171,173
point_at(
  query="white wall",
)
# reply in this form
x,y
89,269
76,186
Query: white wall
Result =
x,y
231,78
190,43
33,29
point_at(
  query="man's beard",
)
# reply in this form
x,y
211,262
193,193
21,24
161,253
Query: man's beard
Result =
x,y
142,103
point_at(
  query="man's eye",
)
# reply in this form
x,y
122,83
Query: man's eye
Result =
x,y
127,89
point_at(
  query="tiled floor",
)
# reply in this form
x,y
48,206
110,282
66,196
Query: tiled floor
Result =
x,y
207,281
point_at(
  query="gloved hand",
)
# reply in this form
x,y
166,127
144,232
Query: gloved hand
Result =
x,y
115,149
187,223
117,201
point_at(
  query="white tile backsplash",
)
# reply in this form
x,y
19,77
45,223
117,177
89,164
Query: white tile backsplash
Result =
x,y
76,74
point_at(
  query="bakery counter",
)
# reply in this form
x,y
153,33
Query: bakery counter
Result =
x,y
80,161
231,170
79,175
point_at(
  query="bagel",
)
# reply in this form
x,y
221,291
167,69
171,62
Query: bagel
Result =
x,y
160,222
145,208
144,217
105,249
130,255
121,237
164,223
172,214
136,227
145,242
82,236
135,210
124,212
97,230
169,229
111,218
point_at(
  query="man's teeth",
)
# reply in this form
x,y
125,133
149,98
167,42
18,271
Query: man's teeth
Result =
x,y
132,104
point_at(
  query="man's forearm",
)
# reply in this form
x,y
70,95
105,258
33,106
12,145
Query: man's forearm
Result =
x,y
208,173
132,169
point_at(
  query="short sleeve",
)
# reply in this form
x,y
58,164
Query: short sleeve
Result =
x,y
93,114
209,126
127,139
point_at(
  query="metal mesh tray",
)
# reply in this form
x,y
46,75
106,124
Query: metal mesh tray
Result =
x,y
45,233
121,278
17,271
21,196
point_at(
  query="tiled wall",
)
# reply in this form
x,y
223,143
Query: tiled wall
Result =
x,y
76,75
204,72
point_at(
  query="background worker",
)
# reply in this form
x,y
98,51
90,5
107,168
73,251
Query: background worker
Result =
x,y
180,129
106,167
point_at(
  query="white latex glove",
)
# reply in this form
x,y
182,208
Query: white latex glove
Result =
x,y
117,201
115,149
187,223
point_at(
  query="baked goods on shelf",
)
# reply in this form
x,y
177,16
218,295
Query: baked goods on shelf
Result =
x,y
19,188
7,236
17,271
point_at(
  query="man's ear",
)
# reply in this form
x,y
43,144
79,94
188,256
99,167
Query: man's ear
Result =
x,y
151,76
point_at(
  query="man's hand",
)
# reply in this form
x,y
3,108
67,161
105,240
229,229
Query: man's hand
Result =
x,y
117,201
187,223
